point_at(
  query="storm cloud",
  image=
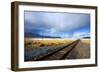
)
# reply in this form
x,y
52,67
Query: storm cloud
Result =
x,y
57,24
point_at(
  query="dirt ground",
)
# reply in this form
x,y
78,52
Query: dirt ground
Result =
x,y
81,51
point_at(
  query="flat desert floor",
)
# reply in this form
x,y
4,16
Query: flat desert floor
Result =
x,y
81,50
56,49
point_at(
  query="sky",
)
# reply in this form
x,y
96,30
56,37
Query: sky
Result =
x,y
57,24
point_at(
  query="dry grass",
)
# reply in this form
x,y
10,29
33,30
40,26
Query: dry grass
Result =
x,y
29,43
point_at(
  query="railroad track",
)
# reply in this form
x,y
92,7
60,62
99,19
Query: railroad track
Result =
x,y
58,53
62,53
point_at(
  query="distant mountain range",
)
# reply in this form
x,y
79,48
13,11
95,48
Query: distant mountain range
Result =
x,y
86,37
34,35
